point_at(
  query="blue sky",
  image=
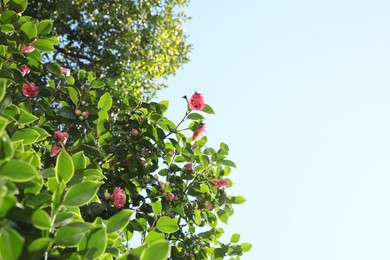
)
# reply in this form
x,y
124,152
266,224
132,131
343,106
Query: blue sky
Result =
x,y
301,91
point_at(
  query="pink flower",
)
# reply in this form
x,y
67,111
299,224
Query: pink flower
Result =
x,y
56,148
59,143
29,89
65,71
27,49
208,205
200,132
188,165
197,102
134,131
24,69
171,196
221,183
61,136
118,198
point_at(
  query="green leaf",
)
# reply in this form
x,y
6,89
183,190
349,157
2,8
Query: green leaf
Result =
x,y
45,27
195,116
29,29
93,244
74,95
164,104
18,5
27,119
8,16
97,84
237,200
18,171
81,193
153,236
28,136
228,163
235,238
64,168
70,80
39,246
105,102
6,148
7,28
66,112
157,207
167,225
70,235
4,84
41,219
79,160
246,247
223,216
197,216
44,45
208,110
119,220
11,243
54,68
158,250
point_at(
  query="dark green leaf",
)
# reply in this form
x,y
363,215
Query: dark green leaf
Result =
x,y
93,244
119,220
64,168
11,243
41,219
18,5
208,110
70,235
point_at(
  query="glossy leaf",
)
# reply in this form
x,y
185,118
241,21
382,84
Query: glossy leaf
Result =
x,y
44,45
11,243
167,225
81,193
93,244
64,168
158,250
18,171
119,220
28,136
44,27
29,29
41,219
70,235
105,102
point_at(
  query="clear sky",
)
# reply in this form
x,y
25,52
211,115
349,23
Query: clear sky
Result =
x,y
301,91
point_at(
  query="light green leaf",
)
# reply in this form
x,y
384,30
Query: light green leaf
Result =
x,y
29,29
39,246
18,5
74,95
105,102
79,160
44,45
235,238
18,171
97,84
45,27
153,236
167,225
157,207
158,250
64,168
11,243
208,110
119,220
237,199
93,244
228,163
28,136
41,219
246,247
70,235
197,216
81,193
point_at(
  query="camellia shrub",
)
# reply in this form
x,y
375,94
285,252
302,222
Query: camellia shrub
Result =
x,y
83,177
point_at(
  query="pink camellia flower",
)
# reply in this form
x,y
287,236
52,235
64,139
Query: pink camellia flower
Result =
x,y
118,198
208,205
200,132
134,131
171,196
56,149
61,136
188,165
59,143
29,89
65,71
27,49
24,69
221,183
197,102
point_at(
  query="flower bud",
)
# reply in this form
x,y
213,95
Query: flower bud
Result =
x,y
81,118
77,112
85,114
107,196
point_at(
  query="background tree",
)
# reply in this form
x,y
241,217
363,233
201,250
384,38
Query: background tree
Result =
x,y
134,45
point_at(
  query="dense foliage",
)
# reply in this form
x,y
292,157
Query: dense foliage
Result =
x,y
132,44
83,177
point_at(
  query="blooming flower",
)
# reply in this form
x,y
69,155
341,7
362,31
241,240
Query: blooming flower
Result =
x,y
188,165
29,89
24,69
29,48
65,71
61,136
59,143
221,183
200,132
171,196
118,198
197,102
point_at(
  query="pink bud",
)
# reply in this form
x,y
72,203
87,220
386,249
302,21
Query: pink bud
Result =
x,y
29,89
134,131
171,196
188,165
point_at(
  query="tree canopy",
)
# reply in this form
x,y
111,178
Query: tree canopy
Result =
x,y
133,45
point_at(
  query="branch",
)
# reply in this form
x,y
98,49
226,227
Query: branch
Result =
x,y
74,55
